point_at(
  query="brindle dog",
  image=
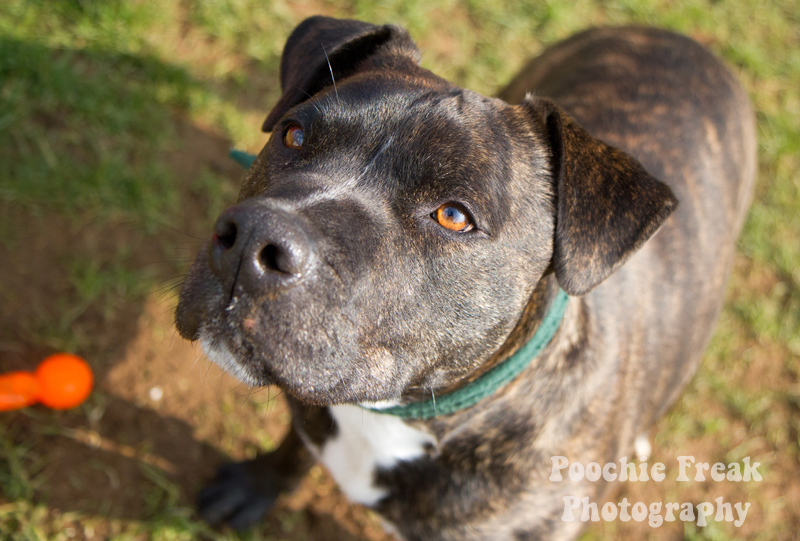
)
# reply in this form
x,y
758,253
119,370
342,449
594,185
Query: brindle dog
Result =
x,y
398,236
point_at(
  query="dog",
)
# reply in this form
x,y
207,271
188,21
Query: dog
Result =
x,y
401,241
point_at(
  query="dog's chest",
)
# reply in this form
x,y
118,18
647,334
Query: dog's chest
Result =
x,y
364,442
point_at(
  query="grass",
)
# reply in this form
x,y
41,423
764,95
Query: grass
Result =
x,y
95,98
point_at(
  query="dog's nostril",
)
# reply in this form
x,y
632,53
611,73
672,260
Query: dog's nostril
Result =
x,y
226,235
271,258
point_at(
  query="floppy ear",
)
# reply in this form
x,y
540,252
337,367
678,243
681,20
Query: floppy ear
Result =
x,y
607,204
322,48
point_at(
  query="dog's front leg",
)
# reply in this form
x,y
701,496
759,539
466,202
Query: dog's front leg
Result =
x,y
243,492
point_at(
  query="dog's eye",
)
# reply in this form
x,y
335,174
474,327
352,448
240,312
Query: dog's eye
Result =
x,y
453,216
293,137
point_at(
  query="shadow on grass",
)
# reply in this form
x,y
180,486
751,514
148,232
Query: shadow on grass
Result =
x,y
83,129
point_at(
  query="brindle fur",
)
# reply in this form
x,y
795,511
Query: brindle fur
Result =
x,y
392,306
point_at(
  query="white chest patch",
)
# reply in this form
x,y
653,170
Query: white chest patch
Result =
x,y
366,440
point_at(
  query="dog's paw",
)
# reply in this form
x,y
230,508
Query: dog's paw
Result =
x,y
235,496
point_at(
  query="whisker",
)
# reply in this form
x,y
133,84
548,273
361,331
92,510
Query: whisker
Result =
x,y
196,359
246,398
208,368
309,97
165,226
180,276
161,291
332,77
187,260
173,337
167,299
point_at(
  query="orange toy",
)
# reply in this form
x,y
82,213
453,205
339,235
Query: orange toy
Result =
x,y
61,381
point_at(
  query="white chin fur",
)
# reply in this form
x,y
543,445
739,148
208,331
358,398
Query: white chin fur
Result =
x,y
222,357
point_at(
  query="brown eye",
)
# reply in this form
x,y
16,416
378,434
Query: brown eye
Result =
x,y
453,216
293,137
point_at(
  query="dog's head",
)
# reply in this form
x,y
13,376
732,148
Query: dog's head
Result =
x,y
393,229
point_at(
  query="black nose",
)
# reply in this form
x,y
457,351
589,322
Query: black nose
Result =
x,y
256,247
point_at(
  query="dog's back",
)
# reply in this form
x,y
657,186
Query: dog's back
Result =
x,y
673,106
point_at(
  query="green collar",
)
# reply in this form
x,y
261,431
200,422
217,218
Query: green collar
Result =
x,y
489,382
245,159
492,380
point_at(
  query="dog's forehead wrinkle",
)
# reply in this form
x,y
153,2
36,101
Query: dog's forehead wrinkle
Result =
x,y
349,192
365,101
384,146
325,192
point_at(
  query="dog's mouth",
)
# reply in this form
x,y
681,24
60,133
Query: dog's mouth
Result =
x,y
307,340
221,355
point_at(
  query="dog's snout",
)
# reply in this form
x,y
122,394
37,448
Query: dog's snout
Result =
x,y
256,247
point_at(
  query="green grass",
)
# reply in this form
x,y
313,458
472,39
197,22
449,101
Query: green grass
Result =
x,y
94,94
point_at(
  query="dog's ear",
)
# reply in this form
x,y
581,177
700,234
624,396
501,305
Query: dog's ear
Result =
x,y
321,49
607,205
